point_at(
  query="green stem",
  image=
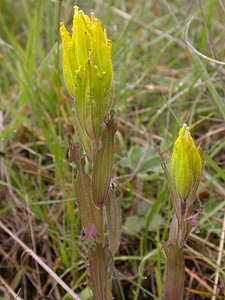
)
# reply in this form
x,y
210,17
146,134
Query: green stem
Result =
x,y
101,263
175,272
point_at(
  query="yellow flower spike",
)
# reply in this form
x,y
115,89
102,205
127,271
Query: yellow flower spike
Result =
x,y
88,73
186,165
87,36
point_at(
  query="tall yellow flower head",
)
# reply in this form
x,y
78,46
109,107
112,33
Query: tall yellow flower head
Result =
x,y
186,164
88,43
88,73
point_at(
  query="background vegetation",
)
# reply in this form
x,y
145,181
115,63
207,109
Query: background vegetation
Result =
x,y
160,83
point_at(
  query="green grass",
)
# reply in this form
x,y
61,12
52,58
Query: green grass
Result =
x,y
159,84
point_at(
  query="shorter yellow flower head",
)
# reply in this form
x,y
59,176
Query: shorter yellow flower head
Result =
x,y
186,164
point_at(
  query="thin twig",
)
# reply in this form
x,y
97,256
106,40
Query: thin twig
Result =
x,y
186,38
211,45
142,160
156,31
9,289
219,259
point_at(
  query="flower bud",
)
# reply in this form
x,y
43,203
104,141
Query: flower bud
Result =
x,y
87,70
186,164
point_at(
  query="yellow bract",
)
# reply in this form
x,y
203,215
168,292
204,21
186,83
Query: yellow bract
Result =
x,y
88,43
186,163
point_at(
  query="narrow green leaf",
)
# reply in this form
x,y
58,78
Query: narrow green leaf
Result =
x,y
114,220
102,167
90,213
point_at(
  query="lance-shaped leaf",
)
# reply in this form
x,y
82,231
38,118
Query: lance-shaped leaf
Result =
x,y
175,197
114,219
89,212
103,164
100,264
